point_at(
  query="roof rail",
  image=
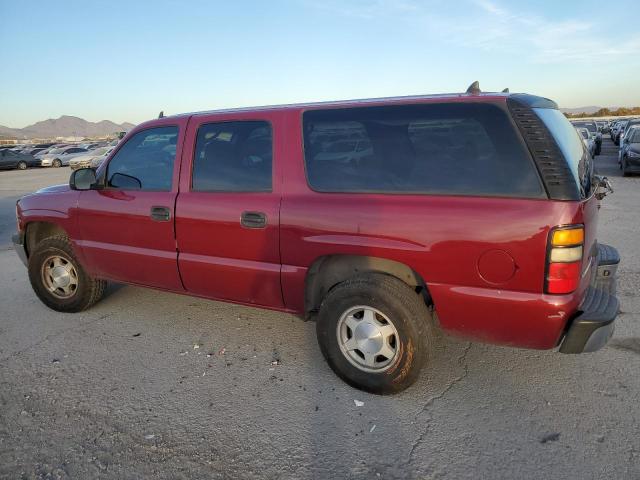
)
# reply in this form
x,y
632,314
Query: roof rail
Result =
x,y
474,88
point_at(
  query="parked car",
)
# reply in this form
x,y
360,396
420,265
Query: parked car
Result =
x,y
623,132
595,133
630,151
618,131
86,160
11,159
479,210
603,126
61,156
588,140
46,151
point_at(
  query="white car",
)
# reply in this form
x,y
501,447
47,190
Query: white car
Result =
x,y
61,156
588,140
87,160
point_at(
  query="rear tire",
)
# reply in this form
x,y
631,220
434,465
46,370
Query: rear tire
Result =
x,y
56,163
598,149
381,361
59,280
625,172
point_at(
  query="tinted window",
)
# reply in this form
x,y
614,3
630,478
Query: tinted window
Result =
x,y
148,156
233,157
461,149
571,145
635,136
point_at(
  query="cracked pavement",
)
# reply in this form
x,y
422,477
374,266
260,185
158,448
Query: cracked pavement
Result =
x,y
120,391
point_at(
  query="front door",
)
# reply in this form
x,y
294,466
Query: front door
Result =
x,y
127,227
227,213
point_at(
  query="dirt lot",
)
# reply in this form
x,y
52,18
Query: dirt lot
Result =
x,y
121,391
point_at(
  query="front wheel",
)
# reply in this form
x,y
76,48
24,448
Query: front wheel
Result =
x,y
598,149
57,163
625,171
59,280
22,165
375,333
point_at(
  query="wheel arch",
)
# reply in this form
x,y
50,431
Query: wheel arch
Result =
x,y
328,271
38,230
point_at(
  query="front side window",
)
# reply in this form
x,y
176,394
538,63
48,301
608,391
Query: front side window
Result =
x,y
145,162
233,157
455,149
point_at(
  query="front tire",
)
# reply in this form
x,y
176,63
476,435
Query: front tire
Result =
x,y
59,280
625,171
57,163
22,165
375,333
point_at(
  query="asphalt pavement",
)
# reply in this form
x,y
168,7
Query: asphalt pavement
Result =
x,y
148,384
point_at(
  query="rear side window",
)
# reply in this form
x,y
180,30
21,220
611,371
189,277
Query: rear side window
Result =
x,y
233,157
571,145
456,149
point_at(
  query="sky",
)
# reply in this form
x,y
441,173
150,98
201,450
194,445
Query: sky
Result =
x,y
128,60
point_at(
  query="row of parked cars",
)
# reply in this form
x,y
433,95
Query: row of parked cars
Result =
x,y
626,134
55,155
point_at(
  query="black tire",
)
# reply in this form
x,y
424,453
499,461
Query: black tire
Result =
x,y
598,149
89,290
410,316
21,166
56,163
625,172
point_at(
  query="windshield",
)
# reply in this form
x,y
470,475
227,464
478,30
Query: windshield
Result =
x,y
571,145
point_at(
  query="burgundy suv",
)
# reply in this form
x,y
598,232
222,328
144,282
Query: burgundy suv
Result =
x,y
381,219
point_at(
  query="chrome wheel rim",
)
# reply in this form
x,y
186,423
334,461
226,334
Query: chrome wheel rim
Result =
x,y
59,276
368,338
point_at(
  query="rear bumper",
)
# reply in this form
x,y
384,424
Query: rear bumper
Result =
x,y
592,328
18,245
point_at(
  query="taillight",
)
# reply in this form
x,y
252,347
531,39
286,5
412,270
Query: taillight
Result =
x,y
564,259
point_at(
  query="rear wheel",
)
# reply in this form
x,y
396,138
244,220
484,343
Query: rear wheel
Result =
x,y
625,171
375,333
22,165
59,280
57,163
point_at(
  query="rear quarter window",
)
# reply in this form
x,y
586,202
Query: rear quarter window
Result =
x,y
449,149
571,145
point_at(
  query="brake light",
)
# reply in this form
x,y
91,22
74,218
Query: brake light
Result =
x,y
564,259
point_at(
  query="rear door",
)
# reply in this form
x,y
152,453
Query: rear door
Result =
x,y
127,228
227,214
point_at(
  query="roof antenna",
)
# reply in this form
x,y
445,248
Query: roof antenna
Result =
x,y
161,115
474,88
506,90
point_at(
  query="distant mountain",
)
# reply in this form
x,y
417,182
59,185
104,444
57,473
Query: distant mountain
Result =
x,y
65,126
588,110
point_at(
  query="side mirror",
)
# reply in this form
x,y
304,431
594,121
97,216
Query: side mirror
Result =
x,y
603,186
124,181
82,179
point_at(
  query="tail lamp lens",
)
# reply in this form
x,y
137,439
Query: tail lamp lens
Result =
x,y
565,259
